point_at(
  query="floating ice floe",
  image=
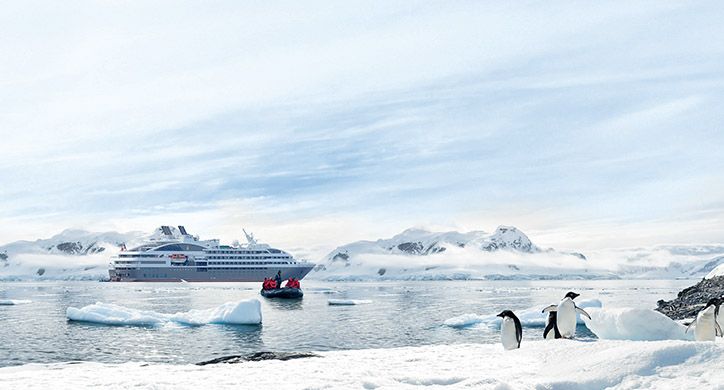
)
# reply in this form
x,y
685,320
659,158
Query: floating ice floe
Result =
x,y
10,302
347,302
531,317
540,364
635,324
245,312
465,320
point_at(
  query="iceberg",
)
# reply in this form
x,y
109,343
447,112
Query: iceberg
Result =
x,y
464,321
245,312
635,324
109,314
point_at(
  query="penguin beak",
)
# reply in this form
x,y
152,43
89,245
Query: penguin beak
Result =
x,y
501,315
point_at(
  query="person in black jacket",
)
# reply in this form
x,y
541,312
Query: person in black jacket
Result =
x,y
278,279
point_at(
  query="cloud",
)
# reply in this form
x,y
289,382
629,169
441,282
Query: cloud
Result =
x,y
323,120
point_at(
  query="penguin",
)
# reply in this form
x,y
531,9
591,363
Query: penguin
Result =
x,y
706,326
552,325
566,315
511,332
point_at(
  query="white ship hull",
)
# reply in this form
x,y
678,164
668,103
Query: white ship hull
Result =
x,y
198,274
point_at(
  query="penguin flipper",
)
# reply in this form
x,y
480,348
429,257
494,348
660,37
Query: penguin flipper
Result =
x,y
518,330
582,312
718,331
548,328
550,308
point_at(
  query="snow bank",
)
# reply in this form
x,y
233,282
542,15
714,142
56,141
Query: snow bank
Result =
x,y
718,271
531,317
607,364
634,324
245,312
10,302
348,302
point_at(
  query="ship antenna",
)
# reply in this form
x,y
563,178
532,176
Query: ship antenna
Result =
x,y
249,237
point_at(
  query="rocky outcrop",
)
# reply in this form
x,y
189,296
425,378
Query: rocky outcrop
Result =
x,y
77,248
258,356
692,299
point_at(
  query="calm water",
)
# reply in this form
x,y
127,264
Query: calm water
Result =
x,y
401,314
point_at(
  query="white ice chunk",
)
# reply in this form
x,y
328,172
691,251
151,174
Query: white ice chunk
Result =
x,y
465,320
635,324
110,314
348,302
247,312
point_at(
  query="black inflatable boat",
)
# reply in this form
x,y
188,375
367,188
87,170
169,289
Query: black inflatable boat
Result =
x,y
286,292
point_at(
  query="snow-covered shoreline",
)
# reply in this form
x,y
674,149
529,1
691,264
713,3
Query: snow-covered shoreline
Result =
x,y
538,364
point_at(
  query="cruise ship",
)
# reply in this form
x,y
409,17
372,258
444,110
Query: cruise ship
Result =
x,y
173,255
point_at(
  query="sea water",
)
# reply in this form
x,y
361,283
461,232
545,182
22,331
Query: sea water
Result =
x,y
390,314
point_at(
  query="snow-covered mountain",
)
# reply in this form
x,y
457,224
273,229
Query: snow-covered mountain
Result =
x,y
420,242
422,254
71,254
506,253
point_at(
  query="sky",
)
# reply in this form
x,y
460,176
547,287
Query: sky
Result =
x,y
587,124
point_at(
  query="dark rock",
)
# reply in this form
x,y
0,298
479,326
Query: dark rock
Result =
x,y
579,255
340,257
71,248
418,248
40,271
77,248
413,248
258,356
692,299
381,271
